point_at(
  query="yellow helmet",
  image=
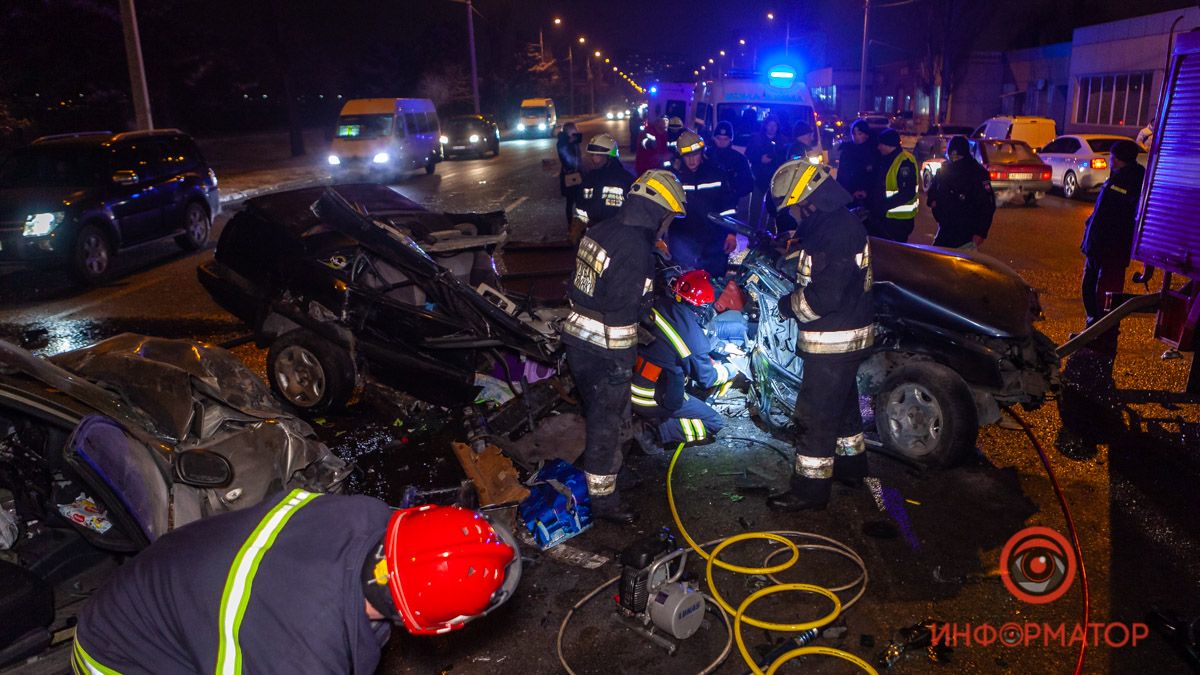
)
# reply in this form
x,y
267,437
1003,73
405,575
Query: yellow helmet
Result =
x,y
662,188
689,142
796,180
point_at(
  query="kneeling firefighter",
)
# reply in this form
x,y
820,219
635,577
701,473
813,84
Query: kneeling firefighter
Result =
x,y
614,277
833,306
679,355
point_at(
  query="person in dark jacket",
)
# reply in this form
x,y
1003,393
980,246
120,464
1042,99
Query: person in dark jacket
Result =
x,y
1108,238
857,160
833,306
569,167
301,582
892,198
766,153
961,198
803,140
614,276
739,177
679,356
694,241
605,184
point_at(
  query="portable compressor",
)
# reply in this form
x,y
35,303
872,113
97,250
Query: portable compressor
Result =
x,y
651,593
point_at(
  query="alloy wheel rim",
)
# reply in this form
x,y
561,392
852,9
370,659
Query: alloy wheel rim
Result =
x,y
300,376
95,254
1069,185
197,225
914,419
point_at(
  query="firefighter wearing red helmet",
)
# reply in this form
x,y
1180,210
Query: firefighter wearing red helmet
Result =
x,y
679,355
302,582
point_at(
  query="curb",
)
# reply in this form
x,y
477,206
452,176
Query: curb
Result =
x,y
229,198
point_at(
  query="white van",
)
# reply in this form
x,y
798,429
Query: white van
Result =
x,y
1036,131
383,137
538,118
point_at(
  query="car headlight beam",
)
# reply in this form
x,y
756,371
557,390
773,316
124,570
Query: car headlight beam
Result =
x,y
42,224
542,126
474,138
334,160
443,140
381,158
520,126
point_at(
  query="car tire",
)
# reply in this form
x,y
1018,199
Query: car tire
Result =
x,y
925,413
926,180
1070,186
91,255
310,373
197,226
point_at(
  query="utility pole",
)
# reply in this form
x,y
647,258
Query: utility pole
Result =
x,y
592,83
571,71
137,70
474,67
862,73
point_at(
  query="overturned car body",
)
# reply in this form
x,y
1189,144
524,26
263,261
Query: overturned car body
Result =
x,y
357,279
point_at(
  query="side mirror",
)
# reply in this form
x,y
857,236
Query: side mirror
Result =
x,y
125,177
203,469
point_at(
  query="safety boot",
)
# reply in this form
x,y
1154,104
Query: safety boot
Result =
x,y
805,494
610,508
850,470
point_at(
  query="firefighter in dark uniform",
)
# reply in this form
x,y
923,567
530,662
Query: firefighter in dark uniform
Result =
x,y
679,355
857,160
893,198
301,582
694,241
739,177
1108,239
961,198
832,305
614,273
605,184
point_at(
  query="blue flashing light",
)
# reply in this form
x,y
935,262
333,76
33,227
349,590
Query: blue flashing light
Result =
x,y
781,76
653,90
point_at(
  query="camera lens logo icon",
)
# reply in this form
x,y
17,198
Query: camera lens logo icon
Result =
x,y
1037,565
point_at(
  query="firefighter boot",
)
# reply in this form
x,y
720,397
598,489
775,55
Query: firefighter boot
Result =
x,y
609,507
806,494
850,470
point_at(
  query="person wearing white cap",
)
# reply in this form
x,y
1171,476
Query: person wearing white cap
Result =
x,y
605,184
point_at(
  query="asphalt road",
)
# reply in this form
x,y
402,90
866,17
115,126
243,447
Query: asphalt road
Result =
x,y
1133,499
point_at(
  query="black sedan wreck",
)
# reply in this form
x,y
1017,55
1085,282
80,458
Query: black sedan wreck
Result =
x,y
105,449
356,279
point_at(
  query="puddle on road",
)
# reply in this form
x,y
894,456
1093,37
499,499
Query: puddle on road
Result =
x,y
47,339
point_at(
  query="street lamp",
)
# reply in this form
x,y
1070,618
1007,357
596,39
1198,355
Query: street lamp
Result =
x,y
722,52
742,42
582,40
770,16
557,21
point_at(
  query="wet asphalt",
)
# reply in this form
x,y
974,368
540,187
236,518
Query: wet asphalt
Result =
x,y
934,554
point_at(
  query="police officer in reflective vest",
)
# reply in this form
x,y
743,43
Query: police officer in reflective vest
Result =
x,y
614,273
694,241
301,582
833,307
605,183
894,200
678,355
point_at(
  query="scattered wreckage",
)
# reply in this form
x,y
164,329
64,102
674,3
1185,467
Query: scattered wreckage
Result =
x,y
105,449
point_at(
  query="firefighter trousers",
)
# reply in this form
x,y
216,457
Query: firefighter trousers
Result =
x,y
602,377
829,424
692,422
1100,279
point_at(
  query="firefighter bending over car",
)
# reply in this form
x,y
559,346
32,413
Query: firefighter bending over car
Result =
x,y
301,582
833,306
614,273
678,356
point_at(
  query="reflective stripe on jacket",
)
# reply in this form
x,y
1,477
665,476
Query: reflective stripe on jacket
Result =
x,y
908,210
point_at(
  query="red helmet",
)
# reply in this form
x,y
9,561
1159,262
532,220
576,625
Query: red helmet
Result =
x,y
694,288
447,566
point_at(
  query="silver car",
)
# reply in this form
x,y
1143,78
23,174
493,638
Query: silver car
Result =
x,y
1079,162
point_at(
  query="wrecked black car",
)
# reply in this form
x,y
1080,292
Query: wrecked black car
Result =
x,y
105,449
955,342
355,280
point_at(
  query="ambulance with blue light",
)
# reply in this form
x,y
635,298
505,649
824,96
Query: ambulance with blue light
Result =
x,y
745,99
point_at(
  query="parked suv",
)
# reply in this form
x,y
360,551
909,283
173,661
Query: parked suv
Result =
x,y
75,200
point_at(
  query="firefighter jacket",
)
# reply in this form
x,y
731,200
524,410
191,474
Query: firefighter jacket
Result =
x,y
271,588
735,167
614,273
1108,237
603,191
963,202
707,193
832,261
895,194
857,163
679,354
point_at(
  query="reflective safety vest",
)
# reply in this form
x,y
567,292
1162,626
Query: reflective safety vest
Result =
x,y
891,187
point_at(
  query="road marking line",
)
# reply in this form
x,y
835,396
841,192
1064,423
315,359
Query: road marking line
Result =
x,y
515,204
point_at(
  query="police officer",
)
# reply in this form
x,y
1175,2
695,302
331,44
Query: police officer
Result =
x,y
857,159
893,199
605,183
739,178
301,582
694,241
614,272
679,355
961,198
832,305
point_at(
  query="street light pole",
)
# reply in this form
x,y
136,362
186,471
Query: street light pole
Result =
x,y
137,70
474,67
862,73
571,70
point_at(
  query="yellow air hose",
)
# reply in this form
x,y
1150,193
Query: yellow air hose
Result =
x,y
739,614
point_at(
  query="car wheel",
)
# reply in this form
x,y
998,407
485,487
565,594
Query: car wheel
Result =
x,y
1031,199
196,228
925,413
430,167
926,179
91,255
309,372
1070,186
